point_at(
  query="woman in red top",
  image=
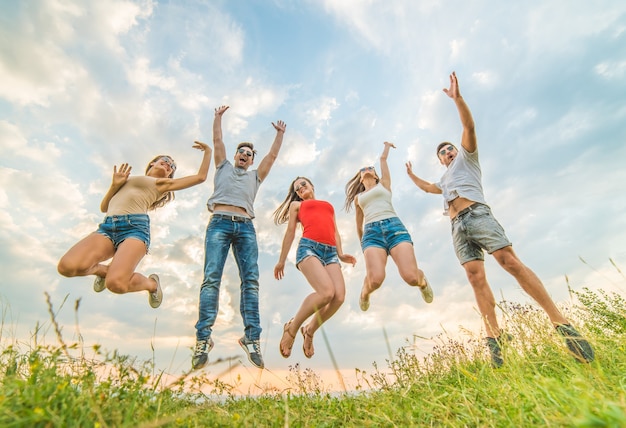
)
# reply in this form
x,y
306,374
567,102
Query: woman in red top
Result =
x,y
319,252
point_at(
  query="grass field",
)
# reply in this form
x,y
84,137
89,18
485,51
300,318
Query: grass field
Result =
x,y
455,386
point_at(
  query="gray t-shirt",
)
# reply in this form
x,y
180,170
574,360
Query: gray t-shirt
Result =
x,y
463,178
234,186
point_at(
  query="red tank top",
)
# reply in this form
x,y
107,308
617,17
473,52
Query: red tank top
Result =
x,y
317,218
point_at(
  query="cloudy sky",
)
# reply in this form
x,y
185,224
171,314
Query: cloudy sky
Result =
x,y
87,85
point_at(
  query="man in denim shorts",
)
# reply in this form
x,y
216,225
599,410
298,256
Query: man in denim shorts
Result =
x,y
474,229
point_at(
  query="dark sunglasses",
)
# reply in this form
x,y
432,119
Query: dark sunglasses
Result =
x,y
448,149
245,152
300,185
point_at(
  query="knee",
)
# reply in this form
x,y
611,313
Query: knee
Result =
x,y
410,278
67,269
375,281
509,260
477,278
326,297
339,297
116,285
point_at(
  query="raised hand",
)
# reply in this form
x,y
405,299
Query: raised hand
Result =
x,y
201,146
120,177
409,168
453,92
388,144
220,110
279,126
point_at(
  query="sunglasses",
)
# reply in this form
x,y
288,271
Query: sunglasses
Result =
x,y
245,152
300,185
367,168
443,151
170,162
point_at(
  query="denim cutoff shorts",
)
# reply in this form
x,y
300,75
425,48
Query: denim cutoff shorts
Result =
x,y
385,234
326,254
475,229
120,227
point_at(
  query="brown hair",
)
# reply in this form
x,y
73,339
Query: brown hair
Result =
x,y
248,145
167,196
281,215
353,188
445,143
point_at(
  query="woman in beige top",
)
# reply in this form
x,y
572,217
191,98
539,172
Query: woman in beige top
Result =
x,y
124,235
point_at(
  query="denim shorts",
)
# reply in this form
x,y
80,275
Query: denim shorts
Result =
x,y
475,229
120,227
326,254
385,234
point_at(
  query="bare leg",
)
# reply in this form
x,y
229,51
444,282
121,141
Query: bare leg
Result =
x,y
475,271
324,314
324,292
375,262
529,282
85,257
404,257
121,277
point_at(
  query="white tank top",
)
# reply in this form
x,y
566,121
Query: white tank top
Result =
x,y
376,204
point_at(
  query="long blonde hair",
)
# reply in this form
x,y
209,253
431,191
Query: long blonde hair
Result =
x,y
281,215
353,188
167,197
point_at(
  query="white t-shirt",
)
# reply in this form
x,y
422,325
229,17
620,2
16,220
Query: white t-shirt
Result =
x,y
463,178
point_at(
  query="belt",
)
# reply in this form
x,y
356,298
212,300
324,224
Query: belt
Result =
x,y
467,210
235,218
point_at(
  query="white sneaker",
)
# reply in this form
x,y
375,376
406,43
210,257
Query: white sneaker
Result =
x,y
155,297
98,284
427,292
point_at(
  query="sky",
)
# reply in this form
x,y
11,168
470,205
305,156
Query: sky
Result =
x,y
88,85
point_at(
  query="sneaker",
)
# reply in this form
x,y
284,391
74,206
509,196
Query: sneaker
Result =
x,y
494,349
201,353
98,284
155,297
577,345
253,350
364,304
427,292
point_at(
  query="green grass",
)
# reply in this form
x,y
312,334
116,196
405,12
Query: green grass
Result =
x,y
454,386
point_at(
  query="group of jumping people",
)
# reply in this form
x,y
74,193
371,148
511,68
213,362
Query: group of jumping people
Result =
x,y
123,237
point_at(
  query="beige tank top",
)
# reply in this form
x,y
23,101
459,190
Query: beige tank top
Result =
x,y
135,197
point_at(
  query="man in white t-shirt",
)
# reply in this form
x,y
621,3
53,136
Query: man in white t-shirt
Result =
x,y
474,229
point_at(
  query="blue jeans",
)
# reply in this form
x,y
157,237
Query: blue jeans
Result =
x,y
475,229
222,233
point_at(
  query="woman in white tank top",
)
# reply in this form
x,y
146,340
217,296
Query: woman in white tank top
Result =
x,y
381,232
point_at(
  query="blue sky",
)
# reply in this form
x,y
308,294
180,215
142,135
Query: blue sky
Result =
x,y
86,85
